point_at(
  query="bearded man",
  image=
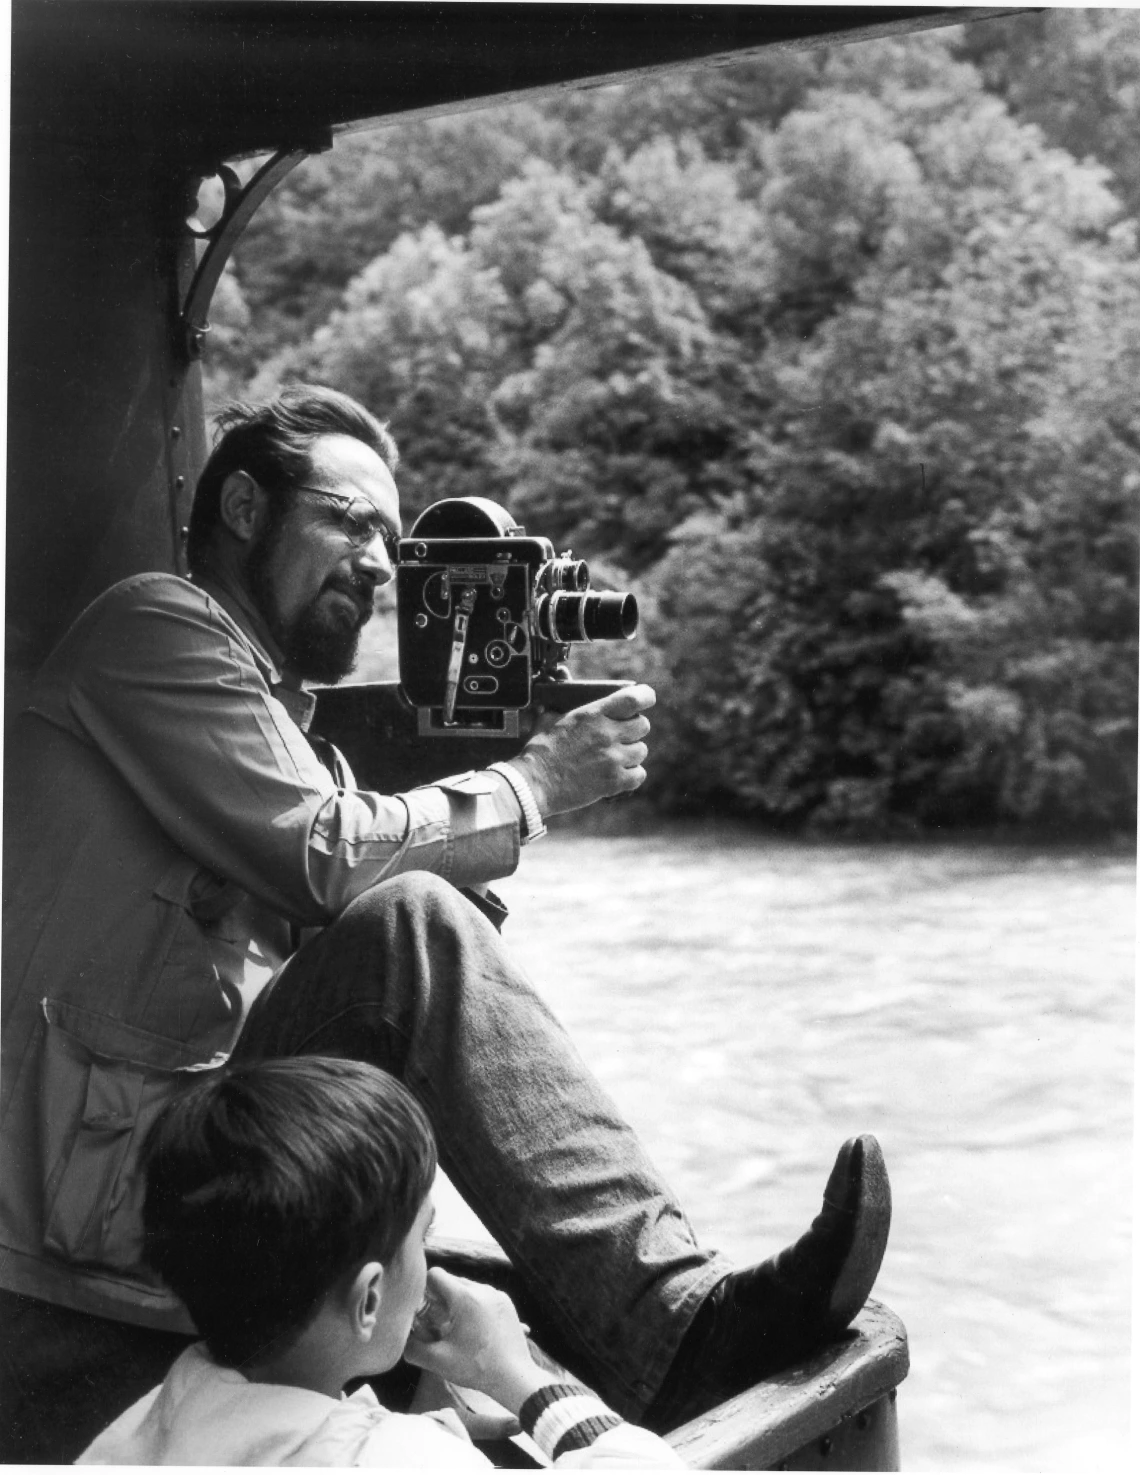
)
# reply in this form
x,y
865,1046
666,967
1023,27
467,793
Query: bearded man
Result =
x,y
190,878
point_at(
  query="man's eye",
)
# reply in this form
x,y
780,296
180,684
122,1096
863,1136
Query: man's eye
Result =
x,y
361,529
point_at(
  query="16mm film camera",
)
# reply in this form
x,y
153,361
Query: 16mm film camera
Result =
x,y
486,617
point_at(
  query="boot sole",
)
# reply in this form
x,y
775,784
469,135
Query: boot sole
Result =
x,y
868,1241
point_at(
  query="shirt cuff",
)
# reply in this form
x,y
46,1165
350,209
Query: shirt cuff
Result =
x,y
563,1416
532,816
464,828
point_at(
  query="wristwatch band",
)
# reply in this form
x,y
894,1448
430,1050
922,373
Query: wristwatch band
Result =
x,y
532,818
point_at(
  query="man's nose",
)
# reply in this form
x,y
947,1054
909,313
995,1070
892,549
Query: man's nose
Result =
x,y
372,558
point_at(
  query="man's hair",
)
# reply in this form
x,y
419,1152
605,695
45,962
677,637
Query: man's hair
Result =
x,y
268,1182
272,442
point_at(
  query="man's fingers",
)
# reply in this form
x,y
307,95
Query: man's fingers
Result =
x,y
628,702
634,755
634,729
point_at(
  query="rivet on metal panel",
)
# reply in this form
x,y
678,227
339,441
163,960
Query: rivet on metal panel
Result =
x,y
825,1446
175,431
179,483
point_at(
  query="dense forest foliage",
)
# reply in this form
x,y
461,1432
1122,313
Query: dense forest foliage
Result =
x,y
831,356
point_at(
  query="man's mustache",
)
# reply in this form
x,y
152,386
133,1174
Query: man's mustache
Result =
x,y
361,589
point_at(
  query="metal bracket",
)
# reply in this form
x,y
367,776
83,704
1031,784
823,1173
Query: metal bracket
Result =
x,y
491,722
242,201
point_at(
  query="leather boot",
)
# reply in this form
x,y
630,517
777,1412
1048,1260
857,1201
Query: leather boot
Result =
x,y
759,1320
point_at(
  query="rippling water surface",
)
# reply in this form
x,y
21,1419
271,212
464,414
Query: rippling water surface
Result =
x,y
750,1004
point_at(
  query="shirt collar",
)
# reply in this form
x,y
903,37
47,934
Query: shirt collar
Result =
x,y
299,703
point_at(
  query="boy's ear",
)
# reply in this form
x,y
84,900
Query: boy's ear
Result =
x,y
365,1297
242,505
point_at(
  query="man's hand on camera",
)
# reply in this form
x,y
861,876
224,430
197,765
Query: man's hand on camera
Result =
x,y
588,754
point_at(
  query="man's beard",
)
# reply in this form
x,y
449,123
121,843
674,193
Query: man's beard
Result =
x,y
319,651
313,647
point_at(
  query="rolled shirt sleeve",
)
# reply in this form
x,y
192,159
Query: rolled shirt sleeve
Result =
x,y
164,682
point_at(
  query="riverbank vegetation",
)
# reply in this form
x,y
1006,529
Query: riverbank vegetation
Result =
x,y
831,356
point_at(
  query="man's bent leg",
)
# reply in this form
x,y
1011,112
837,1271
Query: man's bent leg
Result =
x,y
412,978
65,1375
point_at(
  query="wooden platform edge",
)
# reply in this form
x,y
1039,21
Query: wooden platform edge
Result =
x,y
769,1423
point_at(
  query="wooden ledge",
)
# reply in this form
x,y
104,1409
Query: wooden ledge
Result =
x,y
770,1423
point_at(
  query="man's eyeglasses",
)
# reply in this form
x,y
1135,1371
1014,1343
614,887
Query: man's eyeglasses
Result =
x,y
358,520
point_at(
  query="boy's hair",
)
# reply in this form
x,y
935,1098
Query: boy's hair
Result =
x,y
271,442
268,1182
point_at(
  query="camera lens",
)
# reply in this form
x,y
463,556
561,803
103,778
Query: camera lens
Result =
x,y
568,618
571,574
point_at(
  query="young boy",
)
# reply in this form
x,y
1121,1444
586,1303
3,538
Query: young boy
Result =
x,y
287,1204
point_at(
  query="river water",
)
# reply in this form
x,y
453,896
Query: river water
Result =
x,y
751,1003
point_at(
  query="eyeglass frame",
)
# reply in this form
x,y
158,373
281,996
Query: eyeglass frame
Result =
x,y
381,529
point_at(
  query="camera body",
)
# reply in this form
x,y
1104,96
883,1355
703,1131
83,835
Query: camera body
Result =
x,y
486,617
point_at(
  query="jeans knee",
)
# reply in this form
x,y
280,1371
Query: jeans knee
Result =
x,y
417,892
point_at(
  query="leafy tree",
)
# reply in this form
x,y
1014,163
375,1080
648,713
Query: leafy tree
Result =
x,y
713,104
337,212
689,212
1073,73
837,180
901,612
607,424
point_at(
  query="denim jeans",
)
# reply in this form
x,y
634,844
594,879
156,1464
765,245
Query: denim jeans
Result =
x,y
412,978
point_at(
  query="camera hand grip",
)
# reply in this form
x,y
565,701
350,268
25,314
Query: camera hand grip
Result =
x,y
567,696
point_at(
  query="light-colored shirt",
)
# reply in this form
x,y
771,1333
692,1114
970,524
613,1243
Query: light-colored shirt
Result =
x,y
189,709
204,1414
169,829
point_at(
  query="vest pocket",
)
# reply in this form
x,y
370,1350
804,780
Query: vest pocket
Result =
x,y
102,1086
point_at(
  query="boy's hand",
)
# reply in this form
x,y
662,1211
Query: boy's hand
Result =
x,y
470,1334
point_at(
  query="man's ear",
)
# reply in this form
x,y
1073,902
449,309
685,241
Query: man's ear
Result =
x,y
365,1297
242,506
